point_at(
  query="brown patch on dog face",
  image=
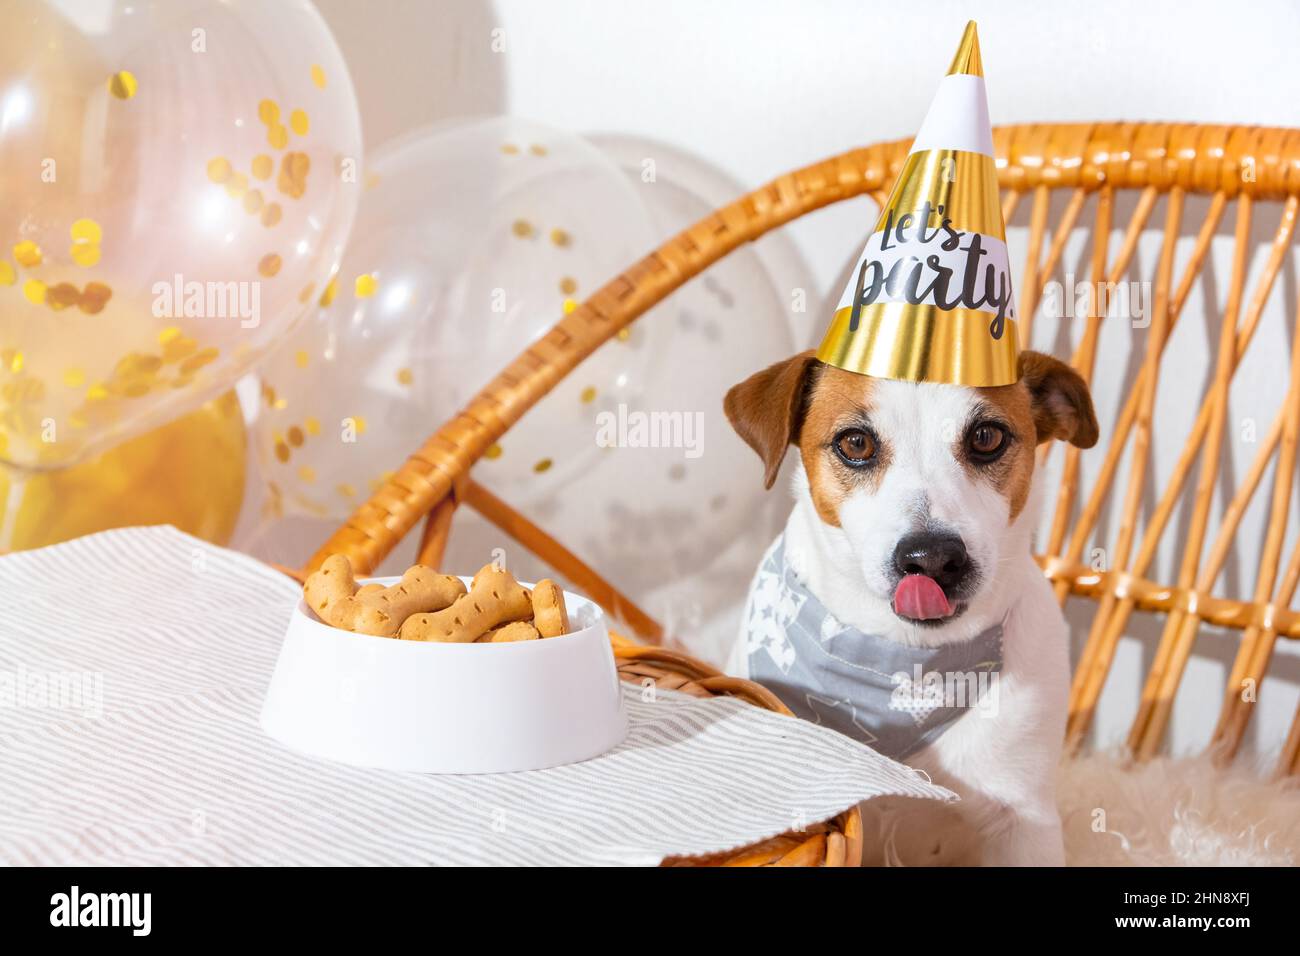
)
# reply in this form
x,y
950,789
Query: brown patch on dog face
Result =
x,y
838,401
1008,407
1050,400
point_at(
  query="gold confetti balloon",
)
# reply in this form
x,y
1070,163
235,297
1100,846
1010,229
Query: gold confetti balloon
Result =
x,y
178,181
471,241
189,473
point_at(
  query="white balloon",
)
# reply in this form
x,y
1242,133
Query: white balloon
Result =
x,y
471,239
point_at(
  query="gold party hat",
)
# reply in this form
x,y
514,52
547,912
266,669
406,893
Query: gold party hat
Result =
x,y
930,299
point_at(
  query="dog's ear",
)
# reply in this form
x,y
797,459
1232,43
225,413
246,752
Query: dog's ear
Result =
x,y
764,409
1061,403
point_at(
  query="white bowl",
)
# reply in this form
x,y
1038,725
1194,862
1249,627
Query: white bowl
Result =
x,y
446,708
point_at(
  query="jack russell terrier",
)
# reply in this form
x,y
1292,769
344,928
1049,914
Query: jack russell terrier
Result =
x,y
902,605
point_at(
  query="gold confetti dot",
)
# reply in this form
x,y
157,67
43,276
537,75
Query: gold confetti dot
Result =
x,y
86,230
293,174
570,305
300,358
305,295
236,185
543,466
96,393
510,149
179,348
137,363
34,290
269,265
365,285
318,76
298,122
588,395
277,136
312,425
122,84
268,112
28,254
560,237
253,201
330,291
219,169
169,334
94,297
7,274
282,452
74,377
522,228
568,285
295,436
263,166
359,423
85,254
623,334
307,473
198,360
493,452
537,149
59,297
271,214
347,491
404,376
15,361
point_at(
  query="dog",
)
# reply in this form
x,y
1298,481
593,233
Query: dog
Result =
x,y
913,521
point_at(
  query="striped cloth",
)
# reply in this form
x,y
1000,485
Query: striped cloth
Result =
x,y
132,669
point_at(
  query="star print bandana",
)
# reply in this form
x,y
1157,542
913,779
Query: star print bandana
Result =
x,y
894,698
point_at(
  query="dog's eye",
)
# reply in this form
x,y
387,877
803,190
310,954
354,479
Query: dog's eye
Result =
x,y
855,446
987,441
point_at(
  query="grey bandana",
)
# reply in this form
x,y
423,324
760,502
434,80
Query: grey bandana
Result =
x,y
894,698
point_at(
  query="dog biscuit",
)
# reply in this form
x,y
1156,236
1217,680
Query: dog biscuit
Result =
x,y
494,598
514,631
550,616
332,592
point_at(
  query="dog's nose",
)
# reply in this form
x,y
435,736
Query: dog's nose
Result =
x,y
939,556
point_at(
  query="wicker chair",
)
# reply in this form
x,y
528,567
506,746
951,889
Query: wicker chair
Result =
x,y
1092,163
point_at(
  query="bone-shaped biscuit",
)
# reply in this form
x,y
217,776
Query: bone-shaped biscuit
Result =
x,y
507,633
550,616
494,598
333,594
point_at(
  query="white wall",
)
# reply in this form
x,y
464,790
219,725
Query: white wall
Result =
x,y
757,87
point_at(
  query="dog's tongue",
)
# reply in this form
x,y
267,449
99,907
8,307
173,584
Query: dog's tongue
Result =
x,y
920,598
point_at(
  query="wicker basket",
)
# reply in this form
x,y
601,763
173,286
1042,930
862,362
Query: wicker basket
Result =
x,y
1237,167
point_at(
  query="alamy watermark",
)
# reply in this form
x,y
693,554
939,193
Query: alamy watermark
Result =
x,y
53,690
922,692
208,300
1071,299
636,429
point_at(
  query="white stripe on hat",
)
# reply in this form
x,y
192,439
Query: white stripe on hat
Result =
x,y
958,117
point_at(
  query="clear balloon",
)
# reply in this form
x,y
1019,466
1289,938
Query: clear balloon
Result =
x,y
675,512
471,242
179,177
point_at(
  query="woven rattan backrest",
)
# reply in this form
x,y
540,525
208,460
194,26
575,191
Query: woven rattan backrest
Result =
x,y
1244,171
